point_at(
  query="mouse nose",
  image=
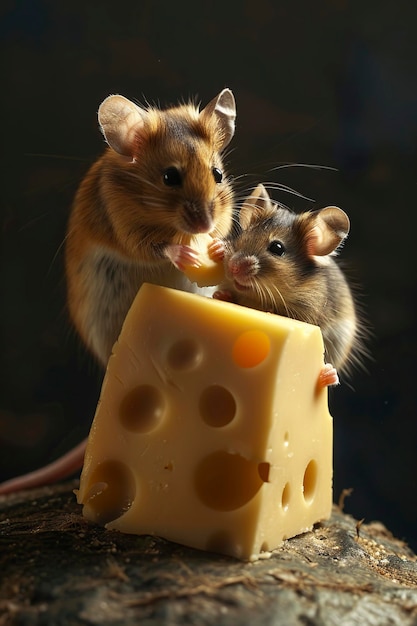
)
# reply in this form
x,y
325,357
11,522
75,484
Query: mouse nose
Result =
x,y
242,268
198,217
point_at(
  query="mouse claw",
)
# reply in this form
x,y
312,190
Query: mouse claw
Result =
x,y
216,250
182,256
223,294
328,376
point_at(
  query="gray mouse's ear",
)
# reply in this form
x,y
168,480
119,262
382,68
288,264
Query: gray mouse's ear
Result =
x,y
120,121
255,207
330,228
223,107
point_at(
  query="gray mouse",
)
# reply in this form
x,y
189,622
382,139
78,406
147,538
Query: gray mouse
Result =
x,y
284,263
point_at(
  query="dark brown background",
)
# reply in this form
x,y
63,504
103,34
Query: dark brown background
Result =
x,y
327,82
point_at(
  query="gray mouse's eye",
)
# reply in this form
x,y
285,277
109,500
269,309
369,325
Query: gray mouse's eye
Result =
x,y
276,248
217,174
172,177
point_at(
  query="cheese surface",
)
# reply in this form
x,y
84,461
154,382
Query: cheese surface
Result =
x,y
210,273
211,430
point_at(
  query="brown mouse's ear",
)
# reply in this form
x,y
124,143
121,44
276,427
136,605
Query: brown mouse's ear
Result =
x,y
119,120
330,228
254,207
223,107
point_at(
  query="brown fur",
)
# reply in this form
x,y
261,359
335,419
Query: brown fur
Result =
x,y
125,218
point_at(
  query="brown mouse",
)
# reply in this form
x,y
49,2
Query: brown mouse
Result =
x,y
159,184
284,263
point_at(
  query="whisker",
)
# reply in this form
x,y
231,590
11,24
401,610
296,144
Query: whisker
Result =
x,y
260,294
306,165
61,157
57,252
267,298
140,179
277,290
287,189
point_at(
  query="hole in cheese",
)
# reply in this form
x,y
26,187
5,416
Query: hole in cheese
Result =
x,y
110,492
286,439
263,469
225,481
251,348
285,497
142,409
184,354
217,406
310,481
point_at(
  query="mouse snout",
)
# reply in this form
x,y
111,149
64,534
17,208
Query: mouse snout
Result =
x,y
198,216
242,269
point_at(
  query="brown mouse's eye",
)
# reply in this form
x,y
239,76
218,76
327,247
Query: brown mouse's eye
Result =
x,y
217,174
172,177
276,248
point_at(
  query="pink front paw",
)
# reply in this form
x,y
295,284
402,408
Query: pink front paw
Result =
x,y
328,376
216,250
223,294
182,256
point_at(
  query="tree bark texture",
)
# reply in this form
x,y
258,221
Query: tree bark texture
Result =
x,y
57,569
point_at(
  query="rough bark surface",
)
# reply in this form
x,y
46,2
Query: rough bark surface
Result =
x,y
55,569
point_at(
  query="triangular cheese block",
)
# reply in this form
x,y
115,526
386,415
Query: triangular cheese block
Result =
x,y
211,430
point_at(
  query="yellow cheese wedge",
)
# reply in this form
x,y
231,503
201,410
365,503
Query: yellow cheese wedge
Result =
x,y
210,430
210,273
